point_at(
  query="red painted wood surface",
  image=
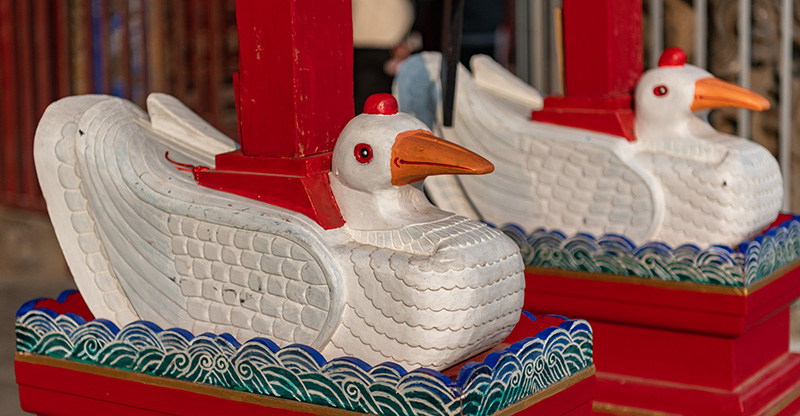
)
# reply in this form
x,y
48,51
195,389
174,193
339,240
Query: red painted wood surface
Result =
x,y
774,389
602,47
10,143
670,349
73,303
42,84
214,24
687,357
30,59
603,60
295,76
61,28
294,94
668,308
309,195
55,391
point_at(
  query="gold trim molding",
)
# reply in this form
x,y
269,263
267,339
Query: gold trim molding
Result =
x,y
266,401
668,284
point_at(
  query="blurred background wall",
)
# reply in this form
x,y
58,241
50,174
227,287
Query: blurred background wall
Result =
x,y
128,48
188,48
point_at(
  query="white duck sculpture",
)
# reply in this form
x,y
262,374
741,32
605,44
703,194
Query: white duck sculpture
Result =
x,y
401,281
680,182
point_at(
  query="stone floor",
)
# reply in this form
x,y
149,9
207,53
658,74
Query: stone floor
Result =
x,y
31,266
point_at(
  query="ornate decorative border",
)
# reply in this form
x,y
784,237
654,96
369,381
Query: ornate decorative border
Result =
x,y
300,373
614,254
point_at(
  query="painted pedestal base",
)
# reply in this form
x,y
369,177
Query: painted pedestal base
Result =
x,y
679,347
147,371
94,390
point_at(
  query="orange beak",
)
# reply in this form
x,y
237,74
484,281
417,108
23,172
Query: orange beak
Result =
x,y
715,93
417,154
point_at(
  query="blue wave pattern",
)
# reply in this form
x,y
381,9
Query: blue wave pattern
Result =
x,y
615,254
771,251
300,373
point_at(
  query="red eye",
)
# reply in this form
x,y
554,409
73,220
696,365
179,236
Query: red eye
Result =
x,y
363,153
660,91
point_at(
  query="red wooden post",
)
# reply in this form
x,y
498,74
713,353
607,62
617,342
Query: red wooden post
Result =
x,y
603,61
9,107
294,96
295,75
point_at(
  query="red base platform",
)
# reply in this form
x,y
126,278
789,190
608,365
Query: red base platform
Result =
x,y
680,347
59,387
95,390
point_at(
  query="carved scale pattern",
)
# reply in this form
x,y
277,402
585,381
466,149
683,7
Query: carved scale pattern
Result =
x,y
431,307
434,304
721,190
235,280
156,251
568,179
425,238
719,185
186,256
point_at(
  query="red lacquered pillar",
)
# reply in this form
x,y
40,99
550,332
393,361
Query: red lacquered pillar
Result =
x,y
294,96
603,61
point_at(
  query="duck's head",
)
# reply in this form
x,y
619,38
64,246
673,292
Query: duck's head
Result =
x,y
380,160
666,98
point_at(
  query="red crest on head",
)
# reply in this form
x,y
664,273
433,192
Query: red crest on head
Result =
x,y
381,103
672,57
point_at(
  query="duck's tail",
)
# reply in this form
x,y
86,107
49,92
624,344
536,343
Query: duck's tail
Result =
x,y
185,131
57,151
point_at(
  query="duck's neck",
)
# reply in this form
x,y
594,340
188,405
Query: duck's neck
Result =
x,y
687,137
684,127
387,209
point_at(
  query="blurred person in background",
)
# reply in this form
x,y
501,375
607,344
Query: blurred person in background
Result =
x,y
381,40
485,28
385,32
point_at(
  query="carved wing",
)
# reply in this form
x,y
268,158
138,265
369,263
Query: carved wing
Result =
x,y
144,241
546,175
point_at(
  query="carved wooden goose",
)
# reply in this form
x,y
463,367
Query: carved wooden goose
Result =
x,y
680,182
401,281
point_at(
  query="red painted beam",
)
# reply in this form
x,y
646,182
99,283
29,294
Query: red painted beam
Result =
x,y
294,95
606,36
295,75
603,61
71,389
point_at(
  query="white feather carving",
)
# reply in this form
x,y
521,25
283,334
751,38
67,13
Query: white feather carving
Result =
x,y
144,241
717,189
